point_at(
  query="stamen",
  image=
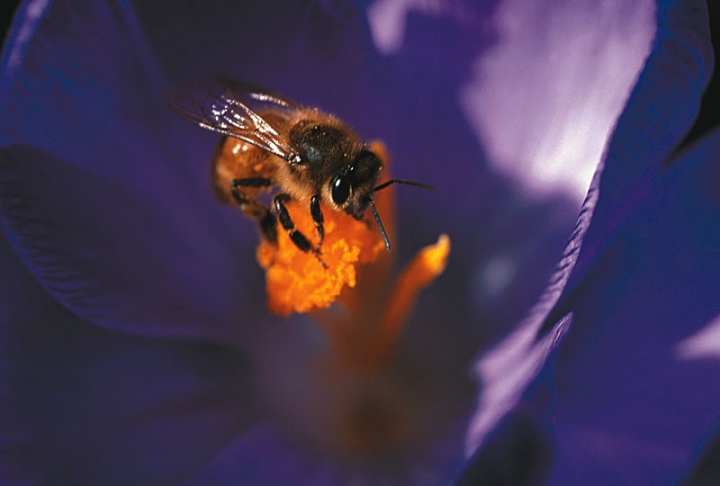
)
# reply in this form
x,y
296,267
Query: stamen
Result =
x,y
425,267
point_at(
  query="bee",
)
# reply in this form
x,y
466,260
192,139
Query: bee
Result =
x,y
271,143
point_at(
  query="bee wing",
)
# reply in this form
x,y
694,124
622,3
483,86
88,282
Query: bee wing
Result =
x,y
221,105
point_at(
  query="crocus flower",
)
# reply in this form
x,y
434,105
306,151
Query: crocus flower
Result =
x,y
136,346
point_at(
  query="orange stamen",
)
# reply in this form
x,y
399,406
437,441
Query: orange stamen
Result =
x,y
424,268
297,281
353,270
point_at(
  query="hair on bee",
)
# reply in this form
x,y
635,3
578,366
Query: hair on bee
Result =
x,y
271,143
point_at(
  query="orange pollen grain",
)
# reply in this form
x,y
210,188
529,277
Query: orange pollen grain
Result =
x,y
297,281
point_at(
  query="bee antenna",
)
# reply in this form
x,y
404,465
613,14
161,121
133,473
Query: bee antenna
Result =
x,y
400,181
380,225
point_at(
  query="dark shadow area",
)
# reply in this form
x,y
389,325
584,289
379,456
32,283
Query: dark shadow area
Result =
x,y
709,114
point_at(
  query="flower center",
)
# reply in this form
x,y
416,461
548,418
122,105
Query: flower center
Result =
x,y
357,399
370,311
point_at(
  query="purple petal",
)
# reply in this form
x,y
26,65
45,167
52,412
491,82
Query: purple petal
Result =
x,y
659,113
130,222
83,405
634,400
506,372
519,451
508,440
545,96
115,258
560,279
265,455
449,66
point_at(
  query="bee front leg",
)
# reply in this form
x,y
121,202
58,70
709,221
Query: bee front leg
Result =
x,y
297,237
252,207
317,217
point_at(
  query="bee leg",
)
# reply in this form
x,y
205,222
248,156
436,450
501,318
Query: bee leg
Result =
x,y
299,239
252,207
317,217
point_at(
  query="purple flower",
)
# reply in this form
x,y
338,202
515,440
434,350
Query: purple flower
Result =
x,y
134,345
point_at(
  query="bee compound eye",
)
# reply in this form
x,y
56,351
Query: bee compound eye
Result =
x,y
340,189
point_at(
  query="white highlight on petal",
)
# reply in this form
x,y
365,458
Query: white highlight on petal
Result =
x,y
387,19
505,372
31,13
703,344
34,10
545,97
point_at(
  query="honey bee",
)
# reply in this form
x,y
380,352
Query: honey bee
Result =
x,y
271,143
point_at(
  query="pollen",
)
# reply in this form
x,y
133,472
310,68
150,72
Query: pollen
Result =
x,y
361,400
300,281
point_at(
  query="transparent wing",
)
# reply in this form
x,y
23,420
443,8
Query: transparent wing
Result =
x,y
222,106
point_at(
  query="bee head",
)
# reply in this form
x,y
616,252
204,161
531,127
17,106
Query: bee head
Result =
x,y
351,188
